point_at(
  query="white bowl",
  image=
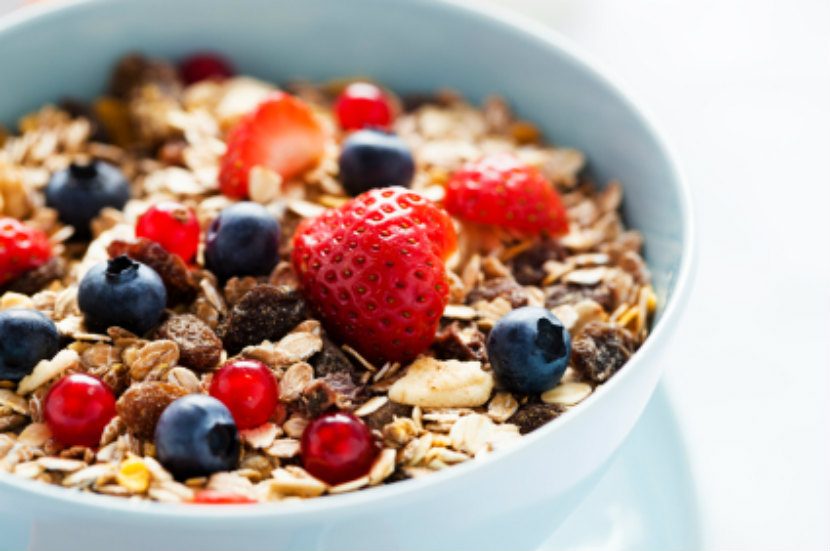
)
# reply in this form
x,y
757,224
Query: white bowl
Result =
x,y
512,498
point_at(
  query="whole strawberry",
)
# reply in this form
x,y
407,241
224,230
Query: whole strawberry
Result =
x,y
22,248
499,189
281,134
373,271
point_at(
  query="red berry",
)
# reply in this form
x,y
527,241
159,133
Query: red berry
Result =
x,y
281,133
22,248
373,271
77,408
499,189
362,105
337,447
216,497
204,66
248,389
173,226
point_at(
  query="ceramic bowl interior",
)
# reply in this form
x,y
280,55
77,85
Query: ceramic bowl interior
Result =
x,y
47,54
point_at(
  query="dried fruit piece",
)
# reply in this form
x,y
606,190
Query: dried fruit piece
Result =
x,y
331,360
528,265
460,343
173,271
332,391
142,404
199,347
532,416
34,280
571,294
264,313
503,287
386,413
601,350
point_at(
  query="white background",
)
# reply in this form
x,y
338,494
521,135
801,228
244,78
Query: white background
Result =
x,y
742,90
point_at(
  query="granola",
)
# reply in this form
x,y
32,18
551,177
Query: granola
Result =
x,y
442,408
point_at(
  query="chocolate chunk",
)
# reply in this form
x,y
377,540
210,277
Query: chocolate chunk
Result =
x,y
503,287
386,414
455,342
141,406
601,350
528,265
263,313
533,415
34,280
199,347
334,391
569,293
331,359
178,281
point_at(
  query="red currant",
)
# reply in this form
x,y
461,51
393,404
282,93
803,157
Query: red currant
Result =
x,y
248,389
205,65
337,447
362,105
173,226
216,497
77,408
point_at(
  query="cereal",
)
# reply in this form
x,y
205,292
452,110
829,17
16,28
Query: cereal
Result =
x,y
440,409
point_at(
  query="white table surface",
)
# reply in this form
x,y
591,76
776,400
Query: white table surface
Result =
x,y
742,90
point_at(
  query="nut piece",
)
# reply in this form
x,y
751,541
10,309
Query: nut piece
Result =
x,y
141,406
199,347
433,383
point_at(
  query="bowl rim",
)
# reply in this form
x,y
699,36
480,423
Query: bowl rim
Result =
x,y
548,37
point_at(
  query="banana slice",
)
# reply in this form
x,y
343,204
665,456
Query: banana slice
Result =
x,y
449,383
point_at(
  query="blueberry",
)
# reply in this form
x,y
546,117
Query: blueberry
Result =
x,y
196,436
529,349
124,293
26,337
80,191
243,240
374,159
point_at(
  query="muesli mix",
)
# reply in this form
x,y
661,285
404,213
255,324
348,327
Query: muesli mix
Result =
x,y
218,291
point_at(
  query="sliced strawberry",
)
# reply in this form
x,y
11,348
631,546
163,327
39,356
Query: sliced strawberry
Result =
x,y
281,134
499,189
373,271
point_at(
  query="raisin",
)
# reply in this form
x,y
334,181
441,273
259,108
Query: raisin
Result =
x,y
569,293
601,349
533,415
178,281
80,109
171,153
504,287
528,265
34,280
454,342
141,406
199,347
385,414
135,71
263,313
335,390
331,359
